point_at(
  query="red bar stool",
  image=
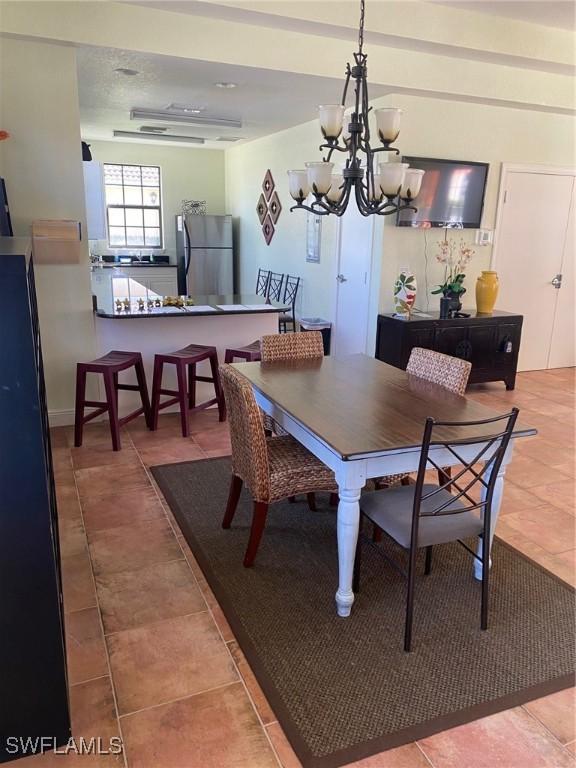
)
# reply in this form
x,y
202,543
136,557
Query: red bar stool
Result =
x,y
189,357
110,366
250,353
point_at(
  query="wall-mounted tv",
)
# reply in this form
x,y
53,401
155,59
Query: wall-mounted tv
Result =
x,y
452,194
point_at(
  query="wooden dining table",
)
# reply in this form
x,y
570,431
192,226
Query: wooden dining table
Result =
x,y
365,419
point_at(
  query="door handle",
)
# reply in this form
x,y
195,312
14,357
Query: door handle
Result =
x,y
557,282
341,278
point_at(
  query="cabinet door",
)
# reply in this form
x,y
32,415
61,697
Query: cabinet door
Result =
x,y
95,203
165,286
416,337
453,340
506,345
481,345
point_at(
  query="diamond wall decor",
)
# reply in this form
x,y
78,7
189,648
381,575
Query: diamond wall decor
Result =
x,y
262,208
268,207
275,207
268,229
268,184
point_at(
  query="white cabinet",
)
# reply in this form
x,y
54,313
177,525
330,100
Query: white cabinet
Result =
x,y
95,202
161,280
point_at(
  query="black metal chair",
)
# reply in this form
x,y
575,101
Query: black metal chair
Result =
x,y
422,515
290,295
275,286
262,282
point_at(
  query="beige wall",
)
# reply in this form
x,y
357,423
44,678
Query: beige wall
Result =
x,y
245,169
455,130
432,128
42,165
187,174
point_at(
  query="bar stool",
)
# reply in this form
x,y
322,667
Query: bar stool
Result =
x,y
110,366
250,353
189,357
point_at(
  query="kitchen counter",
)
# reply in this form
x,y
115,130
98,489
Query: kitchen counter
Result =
x,y
109,290
217,321
236,304
130,264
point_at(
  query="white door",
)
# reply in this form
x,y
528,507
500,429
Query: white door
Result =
x,y
532,245
350,332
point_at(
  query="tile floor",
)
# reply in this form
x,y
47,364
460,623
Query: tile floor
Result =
x,y
152,658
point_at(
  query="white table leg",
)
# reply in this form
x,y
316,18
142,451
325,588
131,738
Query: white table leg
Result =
x,y
350,482
496,502
348,524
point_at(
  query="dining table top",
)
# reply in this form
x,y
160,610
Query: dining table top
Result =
x,y
358,406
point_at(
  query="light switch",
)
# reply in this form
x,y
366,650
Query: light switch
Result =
x,y
484,237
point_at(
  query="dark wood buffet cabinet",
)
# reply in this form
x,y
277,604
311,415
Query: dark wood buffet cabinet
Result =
x,y
34,711
490,342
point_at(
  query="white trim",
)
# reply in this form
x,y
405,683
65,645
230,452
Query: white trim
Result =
x,y
549,170
61,418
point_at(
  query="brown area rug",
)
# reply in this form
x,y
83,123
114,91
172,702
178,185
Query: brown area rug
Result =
x,y
344,689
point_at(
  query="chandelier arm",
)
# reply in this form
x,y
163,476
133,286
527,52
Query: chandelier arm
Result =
x,y
386,149
301,206
346,84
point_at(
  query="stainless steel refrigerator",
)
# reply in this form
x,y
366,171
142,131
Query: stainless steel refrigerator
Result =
x,y
204,255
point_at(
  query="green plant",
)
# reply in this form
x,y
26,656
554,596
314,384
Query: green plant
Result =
x,y
455,256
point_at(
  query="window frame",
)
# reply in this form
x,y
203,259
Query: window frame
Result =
x,y
131,206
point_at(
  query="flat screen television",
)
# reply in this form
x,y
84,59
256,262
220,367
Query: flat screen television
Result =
x,y
452,194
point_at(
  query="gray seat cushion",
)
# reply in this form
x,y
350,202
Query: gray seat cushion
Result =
x,y
391,510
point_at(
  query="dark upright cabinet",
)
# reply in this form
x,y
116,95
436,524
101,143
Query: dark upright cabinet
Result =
x,y
33,682
489,342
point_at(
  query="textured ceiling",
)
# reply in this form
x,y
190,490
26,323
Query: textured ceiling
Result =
x,y
265,101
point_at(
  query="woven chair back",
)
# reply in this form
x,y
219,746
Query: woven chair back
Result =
x,y
306,345
449,372
249,451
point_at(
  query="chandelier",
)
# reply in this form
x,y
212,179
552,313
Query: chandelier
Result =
x,y
387,190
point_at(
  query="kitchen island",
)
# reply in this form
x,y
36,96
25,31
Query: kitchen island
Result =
x,y
130,317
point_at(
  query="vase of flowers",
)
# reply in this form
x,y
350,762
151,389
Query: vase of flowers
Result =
x,y
455,257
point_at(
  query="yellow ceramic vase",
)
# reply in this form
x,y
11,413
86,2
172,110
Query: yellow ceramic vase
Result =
x,y
486,292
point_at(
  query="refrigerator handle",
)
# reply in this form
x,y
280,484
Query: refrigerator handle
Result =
x,y
186,245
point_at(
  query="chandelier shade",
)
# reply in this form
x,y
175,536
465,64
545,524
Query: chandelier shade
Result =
x,y
386,190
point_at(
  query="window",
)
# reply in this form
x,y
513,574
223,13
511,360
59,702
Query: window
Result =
x,y
133,206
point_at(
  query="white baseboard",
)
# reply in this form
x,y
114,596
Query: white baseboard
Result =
x,y
61,418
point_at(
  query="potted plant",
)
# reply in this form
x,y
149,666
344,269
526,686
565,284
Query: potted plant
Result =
x,y
455,256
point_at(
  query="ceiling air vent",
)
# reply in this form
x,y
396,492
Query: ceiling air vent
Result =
x,y
158,137
152,129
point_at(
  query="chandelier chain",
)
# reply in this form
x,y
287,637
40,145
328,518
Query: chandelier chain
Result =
x,y
361,27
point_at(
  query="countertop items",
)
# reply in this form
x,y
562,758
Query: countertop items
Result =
x,y
123,298
128,265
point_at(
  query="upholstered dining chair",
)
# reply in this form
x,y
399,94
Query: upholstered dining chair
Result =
x,y
306,345
422,515
449,372
277,347
273,468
